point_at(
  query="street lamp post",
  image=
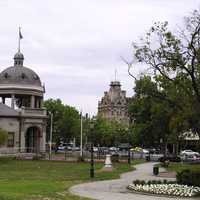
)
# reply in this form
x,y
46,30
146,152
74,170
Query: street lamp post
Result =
x,y
129,154
129,146
50,137
92,150
81,139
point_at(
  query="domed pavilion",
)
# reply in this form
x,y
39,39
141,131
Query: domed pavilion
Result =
x,y
21,111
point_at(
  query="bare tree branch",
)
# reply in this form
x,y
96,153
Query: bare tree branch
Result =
x,y
129,68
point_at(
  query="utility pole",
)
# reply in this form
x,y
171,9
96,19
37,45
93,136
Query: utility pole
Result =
x,y
81,142
92,149
50,138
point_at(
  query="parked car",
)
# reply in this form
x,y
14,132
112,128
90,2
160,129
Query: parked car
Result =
x,y
76,149
139,150
191,158
113,149
103,150
153,150
188,152
64,146
61,148
95,149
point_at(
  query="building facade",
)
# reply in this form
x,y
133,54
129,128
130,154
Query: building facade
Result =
x,y
21,111
114,104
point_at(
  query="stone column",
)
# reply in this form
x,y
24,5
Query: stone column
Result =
x,y
23,137
13,101
43,140
41,102
32,101
3,100
37,103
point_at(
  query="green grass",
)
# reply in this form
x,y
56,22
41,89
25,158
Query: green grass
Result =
x,y
177,167
48,180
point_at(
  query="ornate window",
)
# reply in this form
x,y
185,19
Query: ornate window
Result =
x,y
35,77
10,139
23,76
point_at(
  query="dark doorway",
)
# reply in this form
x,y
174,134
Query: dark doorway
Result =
x,y
33,140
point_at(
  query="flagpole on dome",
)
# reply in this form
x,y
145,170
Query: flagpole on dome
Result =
x,y
20,37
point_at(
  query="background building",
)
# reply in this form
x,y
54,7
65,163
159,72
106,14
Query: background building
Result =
x,y
21,112
114,104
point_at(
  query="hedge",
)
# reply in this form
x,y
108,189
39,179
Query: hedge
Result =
x,y
188,177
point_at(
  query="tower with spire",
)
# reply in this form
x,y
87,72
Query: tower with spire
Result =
x,y
114,104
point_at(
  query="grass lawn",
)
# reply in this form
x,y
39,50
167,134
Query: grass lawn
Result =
x,y
181,166
48,180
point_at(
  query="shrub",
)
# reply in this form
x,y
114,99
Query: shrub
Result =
x,y
115,158
80,159
136,182
142,182
188,177
170,158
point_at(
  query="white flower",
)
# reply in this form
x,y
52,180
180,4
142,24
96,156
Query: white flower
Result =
x,y
167,189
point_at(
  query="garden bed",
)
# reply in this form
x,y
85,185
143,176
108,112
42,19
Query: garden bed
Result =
x,y
164,189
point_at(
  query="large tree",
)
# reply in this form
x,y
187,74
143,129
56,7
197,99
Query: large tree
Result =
x,y
174,62
151,115
66,121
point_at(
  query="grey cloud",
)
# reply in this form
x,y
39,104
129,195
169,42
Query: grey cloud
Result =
x,y
75,45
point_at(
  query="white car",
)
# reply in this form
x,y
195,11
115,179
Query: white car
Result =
x,y
188,153
145,151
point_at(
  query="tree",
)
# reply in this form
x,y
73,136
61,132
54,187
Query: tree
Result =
x,y
174,62
110,132
66,121
3,136
151,115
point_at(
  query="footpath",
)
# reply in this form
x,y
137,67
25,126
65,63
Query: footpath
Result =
x,y
116,189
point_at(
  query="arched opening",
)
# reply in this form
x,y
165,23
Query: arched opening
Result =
x,y
33,140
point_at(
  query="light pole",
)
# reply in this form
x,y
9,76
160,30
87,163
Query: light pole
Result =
x,y
129,146
81,142
92,149
50,137
129,154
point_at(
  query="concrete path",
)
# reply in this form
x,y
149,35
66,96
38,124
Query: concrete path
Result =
x,y
116,189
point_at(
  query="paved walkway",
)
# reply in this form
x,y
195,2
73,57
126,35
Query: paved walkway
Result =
x,y
116,189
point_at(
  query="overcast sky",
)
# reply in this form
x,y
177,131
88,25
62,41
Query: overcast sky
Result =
x,y
75,45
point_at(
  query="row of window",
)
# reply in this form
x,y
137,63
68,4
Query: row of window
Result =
x,y
23,76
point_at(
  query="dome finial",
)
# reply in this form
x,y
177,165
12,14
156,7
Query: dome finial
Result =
x,y
18,59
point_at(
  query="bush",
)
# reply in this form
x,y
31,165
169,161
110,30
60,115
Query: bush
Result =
x,y
136,182
115,158
80,159
170,158
187,177
36,157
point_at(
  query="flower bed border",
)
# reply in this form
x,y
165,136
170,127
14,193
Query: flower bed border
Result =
x,y
160,195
